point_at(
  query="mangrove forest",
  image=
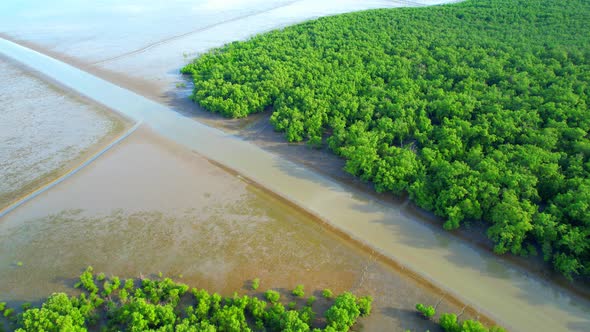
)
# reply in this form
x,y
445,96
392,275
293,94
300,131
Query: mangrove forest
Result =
x,y
476,110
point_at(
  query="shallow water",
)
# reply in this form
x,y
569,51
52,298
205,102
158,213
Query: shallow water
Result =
x,y
507,294
42,129
147,207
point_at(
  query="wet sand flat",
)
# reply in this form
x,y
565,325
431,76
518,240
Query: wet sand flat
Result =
x,y
44,131
149,205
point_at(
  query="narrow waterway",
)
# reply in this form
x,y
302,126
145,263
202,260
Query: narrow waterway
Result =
x,y
518,301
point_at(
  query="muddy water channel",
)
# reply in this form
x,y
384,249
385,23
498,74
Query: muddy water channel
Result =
x,y
149,206
145,57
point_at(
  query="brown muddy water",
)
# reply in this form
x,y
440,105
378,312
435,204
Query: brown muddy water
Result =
x,y
120,53
149,206
44,131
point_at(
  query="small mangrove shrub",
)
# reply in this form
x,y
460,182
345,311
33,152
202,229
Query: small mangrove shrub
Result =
x,y
255,283
327,293
426,311
299,291
272,296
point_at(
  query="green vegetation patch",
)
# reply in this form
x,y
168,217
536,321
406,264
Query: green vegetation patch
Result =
x,y
299,291
477,110
165,305
255,283
450,322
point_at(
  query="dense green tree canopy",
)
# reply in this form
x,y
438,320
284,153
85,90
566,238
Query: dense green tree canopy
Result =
x,y
478,110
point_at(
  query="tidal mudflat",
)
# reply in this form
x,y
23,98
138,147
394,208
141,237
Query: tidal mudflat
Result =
x,y
149,206
44,131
